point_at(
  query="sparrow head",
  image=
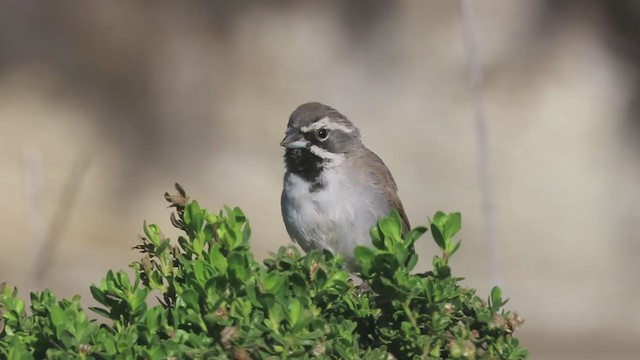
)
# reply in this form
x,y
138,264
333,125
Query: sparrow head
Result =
x,y
318,134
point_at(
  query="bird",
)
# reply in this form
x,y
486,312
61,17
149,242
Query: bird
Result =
x,y
335,189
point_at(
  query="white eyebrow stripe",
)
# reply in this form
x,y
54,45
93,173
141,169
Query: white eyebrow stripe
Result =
x,y
327,155
326,123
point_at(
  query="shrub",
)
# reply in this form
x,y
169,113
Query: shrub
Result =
x,y
214,301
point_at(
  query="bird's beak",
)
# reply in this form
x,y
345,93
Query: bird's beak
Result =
x,y
294,140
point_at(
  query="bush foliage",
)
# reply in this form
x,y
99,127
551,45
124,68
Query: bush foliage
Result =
x,y
215,301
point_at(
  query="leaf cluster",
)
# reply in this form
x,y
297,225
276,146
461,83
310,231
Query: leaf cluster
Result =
x,y
204,296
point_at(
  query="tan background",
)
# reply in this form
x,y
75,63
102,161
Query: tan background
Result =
x,y
103,105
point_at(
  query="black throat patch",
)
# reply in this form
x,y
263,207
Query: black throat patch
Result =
x,y
306,165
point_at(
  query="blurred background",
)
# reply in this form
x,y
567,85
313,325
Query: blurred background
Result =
x,y
104,105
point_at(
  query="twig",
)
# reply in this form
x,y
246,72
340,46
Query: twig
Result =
x,y
484,163
62,216
33,193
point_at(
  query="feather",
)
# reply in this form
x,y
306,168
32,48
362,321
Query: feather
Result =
x,y
381,176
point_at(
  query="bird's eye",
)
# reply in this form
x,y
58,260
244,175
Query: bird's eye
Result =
x,y
322,134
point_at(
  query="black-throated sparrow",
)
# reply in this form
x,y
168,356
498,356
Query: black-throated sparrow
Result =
x,y
335,189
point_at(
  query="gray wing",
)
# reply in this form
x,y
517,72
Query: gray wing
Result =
x,y
382,176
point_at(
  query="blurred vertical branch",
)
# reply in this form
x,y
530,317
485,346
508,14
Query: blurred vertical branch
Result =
x,y
33,193
484,162
61,217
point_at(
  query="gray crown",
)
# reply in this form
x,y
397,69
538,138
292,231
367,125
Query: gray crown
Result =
x,y
310,117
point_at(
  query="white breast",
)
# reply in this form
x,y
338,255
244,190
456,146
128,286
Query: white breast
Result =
x,y
336,218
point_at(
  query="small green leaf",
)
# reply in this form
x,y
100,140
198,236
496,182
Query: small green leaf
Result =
x,y
365,257
217,260
198,244
495,299
377,237
246,232
276,315
200,271
413,260
100,311
98,295
454,248
238,265
152,232
437,236
439,219
122,279
163,245
496,295
57,317
194,216
190,298
272,282
139,298
391,228
414,235
295,312
453,225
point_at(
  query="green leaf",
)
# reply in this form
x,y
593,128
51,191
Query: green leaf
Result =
x,y
438,237
377,237
495,299
295,312
191,298
238,265
365,257
439,219
246,232
454,248
152,232
391,228
413,260
414,235
217,260
453,225
98,295
139,298
273,282
58,318
122,279
163,245
198,244
444,227
496,295
100,311
194,216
